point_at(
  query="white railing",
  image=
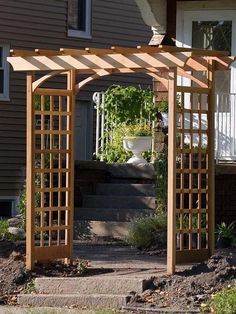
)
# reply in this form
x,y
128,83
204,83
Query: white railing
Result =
x,y
99,100
225,125
103,125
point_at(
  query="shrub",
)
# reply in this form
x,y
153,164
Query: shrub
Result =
x,y
22,205
126,109
114,150
161,168
129,104
149,231
224,302
4,234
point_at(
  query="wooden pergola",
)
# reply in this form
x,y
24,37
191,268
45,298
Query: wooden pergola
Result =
x,y
50,142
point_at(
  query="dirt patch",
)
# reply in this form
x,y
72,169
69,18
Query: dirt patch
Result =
x,y
184,290
193,287
14,278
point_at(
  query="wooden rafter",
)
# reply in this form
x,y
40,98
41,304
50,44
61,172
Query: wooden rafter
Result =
x,y
94,59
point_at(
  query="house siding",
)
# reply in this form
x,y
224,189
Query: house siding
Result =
x,y
30,24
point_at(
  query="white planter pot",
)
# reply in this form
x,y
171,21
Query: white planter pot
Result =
x,y
137,145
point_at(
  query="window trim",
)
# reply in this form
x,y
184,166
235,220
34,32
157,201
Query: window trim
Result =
x,y
5,65
88,29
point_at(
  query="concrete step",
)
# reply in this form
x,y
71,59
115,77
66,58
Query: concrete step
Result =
x,y
145,171
109,201
90,285
125,189
81,300
110,214
107,229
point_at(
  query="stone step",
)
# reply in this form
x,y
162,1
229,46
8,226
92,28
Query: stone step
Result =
x,y
90,285
81,300
144,171
100,229
124,202
125,189
110,214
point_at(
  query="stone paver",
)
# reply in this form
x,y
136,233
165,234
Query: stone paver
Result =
x,y
124,259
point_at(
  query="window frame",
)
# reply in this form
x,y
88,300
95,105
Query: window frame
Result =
x,y
5,66
87,34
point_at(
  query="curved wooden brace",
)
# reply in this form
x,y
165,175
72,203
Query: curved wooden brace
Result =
x,y
44,78
90,78
192,78
101,73
159,78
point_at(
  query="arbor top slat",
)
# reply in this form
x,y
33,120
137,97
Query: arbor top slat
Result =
x,y
114,49
94,59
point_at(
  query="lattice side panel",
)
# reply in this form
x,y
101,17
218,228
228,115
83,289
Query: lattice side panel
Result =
x,y
52,170
192,178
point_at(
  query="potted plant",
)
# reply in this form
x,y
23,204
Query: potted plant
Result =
x,y
225,234
137,139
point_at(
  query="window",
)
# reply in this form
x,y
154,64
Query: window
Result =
x,y
79,18
4,73
212,35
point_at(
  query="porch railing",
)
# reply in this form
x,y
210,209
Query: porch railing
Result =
x,y
104,127
225,126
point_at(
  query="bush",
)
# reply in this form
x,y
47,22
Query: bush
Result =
x,y
161,173
129,104
148,232
114,150
4,234
22,205
224,302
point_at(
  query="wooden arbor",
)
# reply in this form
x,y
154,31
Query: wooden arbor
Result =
x,y
50,137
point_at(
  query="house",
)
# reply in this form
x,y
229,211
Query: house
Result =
x,y
53,24
209,25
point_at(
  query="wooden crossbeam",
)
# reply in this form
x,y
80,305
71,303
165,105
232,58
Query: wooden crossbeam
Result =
x,y
95,62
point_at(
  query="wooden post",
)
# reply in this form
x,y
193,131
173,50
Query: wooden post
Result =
x,y
70,161
211,157
171,225
30,195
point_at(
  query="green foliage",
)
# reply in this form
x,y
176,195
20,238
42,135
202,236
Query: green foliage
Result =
x,y
224,302
127,110
22,205
129,104
225,231
148,231
4,234
114,150
37,103
83,266
163,106
30,287
137,130
161,171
